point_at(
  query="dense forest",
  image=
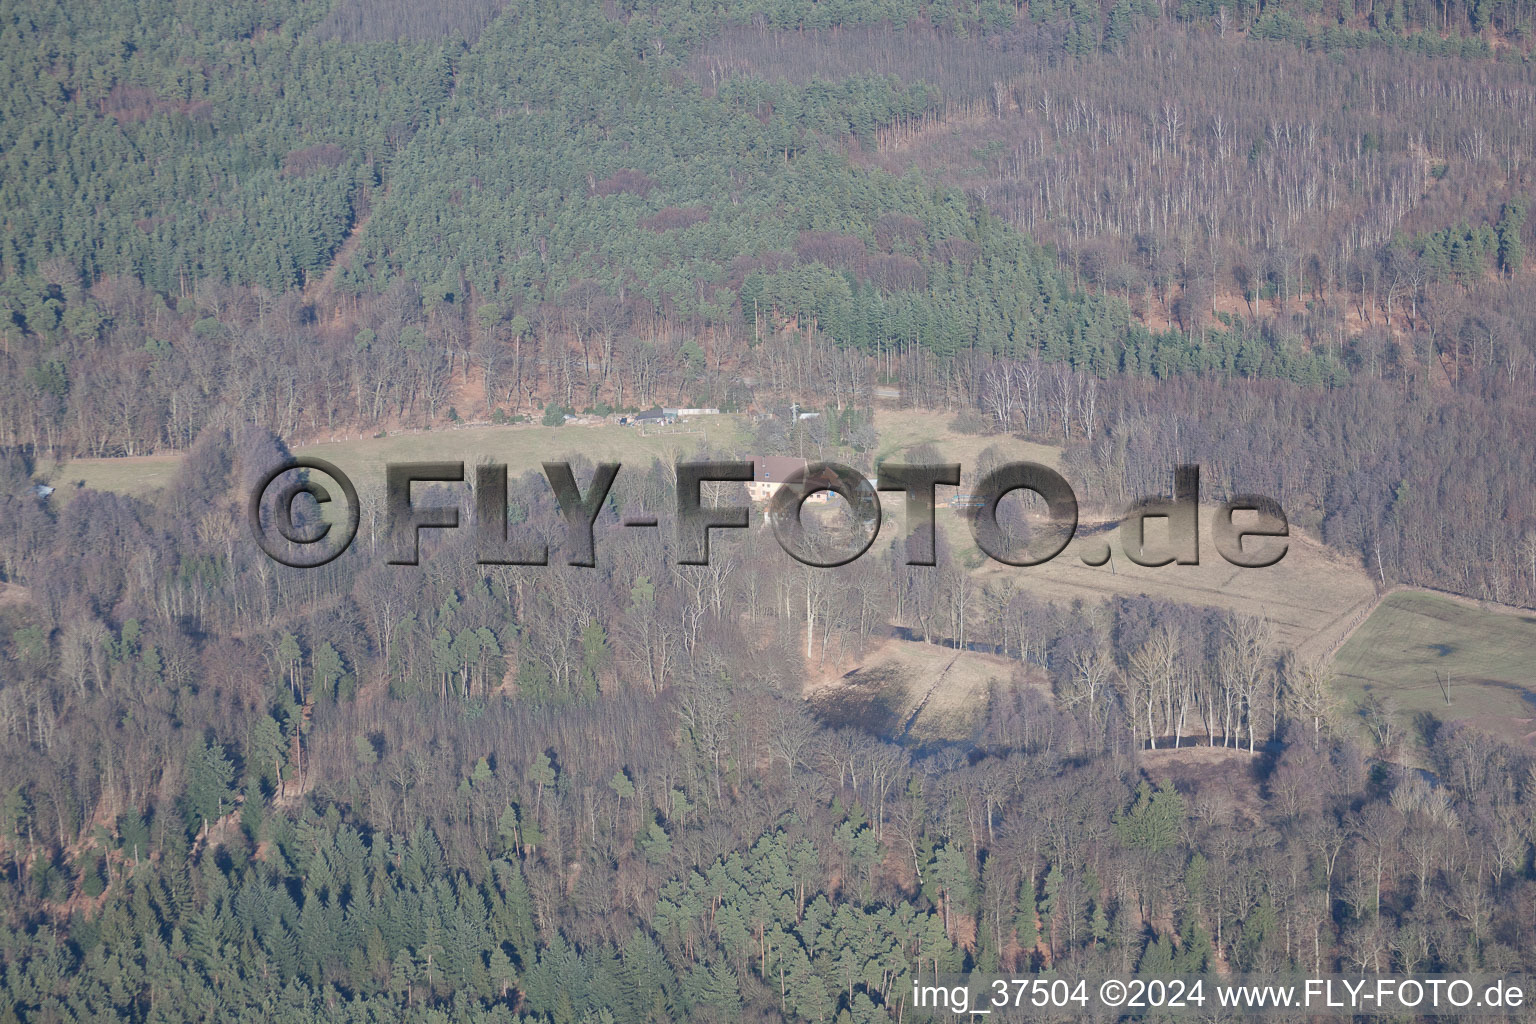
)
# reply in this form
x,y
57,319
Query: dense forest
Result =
x,y
1285,240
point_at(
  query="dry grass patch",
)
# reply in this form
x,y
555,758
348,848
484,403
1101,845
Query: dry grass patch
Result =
x,y
917,689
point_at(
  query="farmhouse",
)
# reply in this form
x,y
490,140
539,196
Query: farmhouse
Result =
x,y
769,474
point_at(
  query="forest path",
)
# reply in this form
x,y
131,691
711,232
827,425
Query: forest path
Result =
x,y
918,710
318,288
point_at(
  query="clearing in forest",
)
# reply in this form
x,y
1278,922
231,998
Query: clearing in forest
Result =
x,y
911,689
1311,596
1415,644
135,474
520,446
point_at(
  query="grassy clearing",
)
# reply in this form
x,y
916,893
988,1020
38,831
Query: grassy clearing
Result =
x,y
138,474
901,430
1306,595
1489,656
524,447
519,446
